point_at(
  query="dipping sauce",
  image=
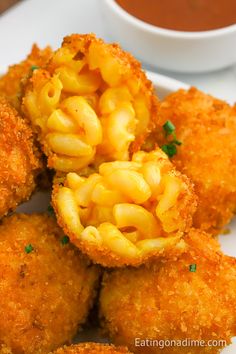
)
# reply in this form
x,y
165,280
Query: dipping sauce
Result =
x,y
183,15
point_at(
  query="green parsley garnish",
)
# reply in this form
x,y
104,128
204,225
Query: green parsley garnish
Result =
x,y
169,127
65,240
34,67
50,209
29,248
177,142
171,147
193,268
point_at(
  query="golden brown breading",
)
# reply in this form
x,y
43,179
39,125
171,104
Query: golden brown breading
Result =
x,y
19,159
168,301
91,103
46,286
92,348
207,129
5,350
11,82
128,213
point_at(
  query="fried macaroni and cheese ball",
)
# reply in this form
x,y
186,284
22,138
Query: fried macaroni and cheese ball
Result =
x,y
5,350
11,82
190,297
206,128
46,286
92,103
19,159
128,212
92,348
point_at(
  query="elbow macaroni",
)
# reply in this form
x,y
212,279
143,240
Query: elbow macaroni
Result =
x,y
90,104
129,210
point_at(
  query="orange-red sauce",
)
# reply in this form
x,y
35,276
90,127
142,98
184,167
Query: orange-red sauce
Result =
x,y
183,15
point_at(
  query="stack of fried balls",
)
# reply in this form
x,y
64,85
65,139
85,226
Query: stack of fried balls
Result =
x,y
140,189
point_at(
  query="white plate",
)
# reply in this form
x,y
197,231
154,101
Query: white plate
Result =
x,y
40,202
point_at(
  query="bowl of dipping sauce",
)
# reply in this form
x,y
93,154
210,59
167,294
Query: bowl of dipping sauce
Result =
x,y
176,35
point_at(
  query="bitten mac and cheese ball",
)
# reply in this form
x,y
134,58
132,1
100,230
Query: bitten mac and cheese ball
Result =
x,y
206,128
92,103
127,212
11,83
91,348
46,286
190,297
19,159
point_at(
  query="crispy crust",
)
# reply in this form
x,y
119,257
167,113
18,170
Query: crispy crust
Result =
x,y
19,159
45,294
12,88
11,82
5,350
207,128
92,348
167,301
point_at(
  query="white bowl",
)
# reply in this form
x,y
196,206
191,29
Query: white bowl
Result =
x,y
169,49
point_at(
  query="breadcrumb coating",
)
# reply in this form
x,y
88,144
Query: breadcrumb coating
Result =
x,y
92,348
206,127
11,82
46,286
19,159
5,350
192,296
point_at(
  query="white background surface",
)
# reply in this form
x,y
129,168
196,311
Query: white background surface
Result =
x,y
47,21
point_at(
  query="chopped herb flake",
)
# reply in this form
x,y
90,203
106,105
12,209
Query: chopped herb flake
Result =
x,y
193,268
169,127
34,67
65,240
177,142
29,248
170,149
